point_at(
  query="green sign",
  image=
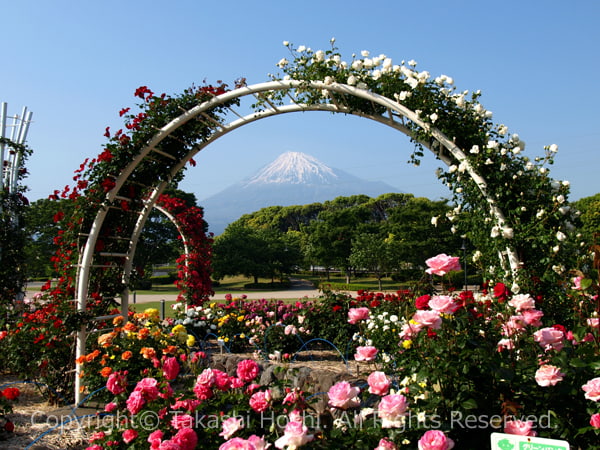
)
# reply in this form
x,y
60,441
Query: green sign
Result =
x,y
502,441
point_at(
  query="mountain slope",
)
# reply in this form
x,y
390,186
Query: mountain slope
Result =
x,y
293,178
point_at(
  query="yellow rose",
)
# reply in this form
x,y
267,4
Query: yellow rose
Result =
x,y
191,340
407,344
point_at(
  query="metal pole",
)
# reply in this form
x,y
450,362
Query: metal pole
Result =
x,y
464,249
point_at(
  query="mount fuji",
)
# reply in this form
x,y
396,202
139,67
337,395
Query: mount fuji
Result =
x,y
294,178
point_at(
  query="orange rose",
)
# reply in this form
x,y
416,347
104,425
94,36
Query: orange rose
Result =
x,y
105,372
105,340
91,356
126,355
130,326
171,349
148,352
118,321
143,333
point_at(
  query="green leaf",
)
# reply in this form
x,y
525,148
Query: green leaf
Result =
x,y
469,404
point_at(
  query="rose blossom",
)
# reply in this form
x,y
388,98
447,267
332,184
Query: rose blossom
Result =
x,y
207,378
148,387
435,440
230,426
429,319
117,382
155,438
444,304
522,302
367,353
595,421
384,444
135,402
170,368
357,314
592,389
180,421
391,410
532,317
422,302
593,322
442,264
548,375
295,435
260,401
129,435
342,395
247,370
379,383
186,439
549,338
519,427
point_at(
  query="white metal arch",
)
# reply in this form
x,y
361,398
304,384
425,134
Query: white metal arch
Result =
x,y
396,117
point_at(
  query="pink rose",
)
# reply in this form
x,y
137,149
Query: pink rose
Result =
x,y
155,439
549,338
355,315
595,421
230,426
443,304
260,401
391,410
186,438
577,283
207,378
342,395
520,427
548,375
593,322
592,389
170,368
532,317
222,380
117,382
129,435
505,344
202,391
237,443
180,421
110,407
379,383
367,353
384,444
429,319
295,435
409,330
258,442
247,370
514,325
522,302
135,402
290,329
442,264
435,440
148,387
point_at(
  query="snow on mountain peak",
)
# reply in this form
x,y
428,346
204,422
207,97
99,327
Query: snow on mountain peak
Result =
x,y
294,168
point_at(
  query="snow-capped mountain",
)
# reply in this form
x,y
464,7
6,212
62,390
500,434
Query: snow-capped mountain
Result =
x,y
295,168
294,178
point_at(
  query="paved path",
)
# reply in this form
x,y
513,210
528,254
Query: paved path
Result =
x,y
301,289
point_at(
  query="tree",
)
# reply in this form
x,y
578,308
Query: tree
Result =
x,y
373,252
243,250
41,227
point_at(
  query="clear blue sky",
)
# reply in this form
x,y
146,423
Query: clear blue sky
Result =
x,y
75,64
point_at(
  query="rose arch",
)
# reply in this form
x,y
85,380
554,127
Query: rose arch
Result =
x,y
513,213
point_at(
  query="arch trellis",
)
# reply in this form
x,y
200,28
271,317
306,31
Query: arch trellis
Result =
x,y
132,173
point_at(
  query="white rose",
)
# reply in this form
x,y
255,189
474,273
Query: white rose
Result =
x,y
352,80
507,233
561,236
412,63
282,63
365,53
433,117
302,48
474,149
553,148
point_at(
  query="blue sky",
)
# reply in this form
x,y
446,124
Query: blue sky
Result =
x,y
75,64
